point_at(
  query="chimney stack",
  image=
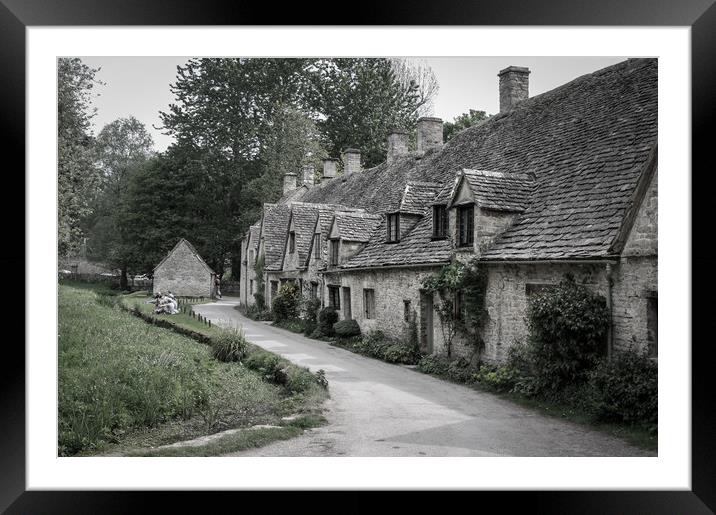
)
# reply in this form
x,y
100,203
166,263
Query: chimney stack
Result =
x,y
397,145
308,175
430,134
351,160
330,167
514,86
289,182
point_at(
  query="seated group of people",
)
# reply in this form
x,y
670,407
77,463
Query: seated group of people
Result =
x,y
165,303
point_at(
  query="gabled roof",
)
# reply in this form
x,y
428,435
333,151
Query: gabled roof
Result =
x,y
498,190
377,190
586,142
417,197
273,233
416,248
303,217
355,226
191,249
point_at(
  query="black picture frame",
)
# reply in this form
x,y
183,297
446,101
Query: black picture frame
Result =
x,y
700,15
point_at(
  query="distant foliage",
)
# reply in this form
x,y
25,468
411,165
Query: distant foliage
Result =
x,y
463,121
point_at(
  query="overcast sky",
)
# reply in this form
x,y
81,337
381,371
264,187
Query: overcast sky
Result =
x,y
139,86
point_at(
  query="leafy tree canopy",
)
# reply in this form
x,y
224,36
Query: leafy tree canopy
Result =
x,y
463,121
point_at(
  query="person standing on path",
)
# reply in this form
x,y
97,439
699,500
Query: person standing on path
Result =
x,y
217,286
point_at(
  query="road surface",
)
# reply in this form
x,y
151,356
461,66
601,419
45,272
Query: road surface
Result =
x,y
380,409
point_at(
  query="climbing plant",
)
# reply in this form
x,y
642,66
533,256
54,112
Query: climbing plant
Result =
x,y
467,282
260,295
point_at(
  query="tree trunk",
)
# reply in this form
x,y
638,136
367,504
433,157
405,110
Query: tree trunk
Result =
x,y
123,279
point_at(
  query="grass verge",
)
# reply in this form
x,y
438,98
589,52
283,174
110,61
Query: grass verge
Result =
x,y
125,383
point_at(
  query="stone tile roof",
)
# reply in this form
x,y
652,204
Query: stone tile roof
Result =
x,y
273,232
585,142
356,226
377,190
500,191
191,249
304,218
254,233
416,248
417,197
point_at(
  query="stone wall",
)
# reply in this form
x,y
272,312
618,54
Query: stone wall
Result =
x,y
507,298
392,287
635,281
643,239
636,278
183,274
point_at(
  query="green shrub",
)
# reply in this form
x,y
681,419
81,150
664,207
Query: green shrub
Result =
x,y
568,326
294,325
400,353
265,363
310,315
229,345
326,318
346,328
497,378
624,388
434,365
287,302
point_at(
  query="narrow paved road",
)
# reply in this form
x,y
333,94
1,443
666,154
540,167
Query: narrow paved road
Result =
x,y
379,409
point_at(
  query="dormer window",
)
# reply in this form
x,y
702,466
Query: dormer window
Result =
x,y
465,225
292,242
317,246
334,252
393,227
440,222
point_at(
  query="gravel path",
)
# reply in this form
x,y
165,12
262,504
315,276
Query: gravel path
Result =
x,y
379,409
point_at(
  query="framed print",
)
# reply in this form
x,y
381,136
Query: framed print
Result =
x,y
419,245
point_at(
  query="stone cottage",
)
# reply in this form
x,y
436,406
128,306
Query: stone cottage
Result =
x,y
563,182
184,273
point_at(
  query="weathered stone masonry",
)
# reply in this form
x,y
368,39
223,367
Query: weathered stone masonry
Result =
x,y
184,273
551,183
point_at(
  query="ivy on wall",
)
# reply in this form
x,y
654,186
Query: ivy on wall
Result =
x,y
461,307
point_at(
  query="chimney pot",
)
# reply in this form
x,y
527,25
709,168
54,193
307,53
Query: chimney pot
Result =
x,y
397,145
351,160
514,86
309,175
330,167
430,134
289,182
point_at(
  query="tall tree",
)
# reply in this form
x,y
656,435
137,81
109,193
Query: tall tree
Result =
x,y
78,178
121,146
357,101
252,120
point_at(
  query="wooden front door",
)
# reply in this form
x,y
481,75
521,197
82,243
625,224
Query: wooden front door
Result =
x,y
347,313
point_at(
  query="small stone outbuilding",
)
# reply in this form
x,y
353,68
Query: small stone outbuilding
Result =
x,y
184,273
